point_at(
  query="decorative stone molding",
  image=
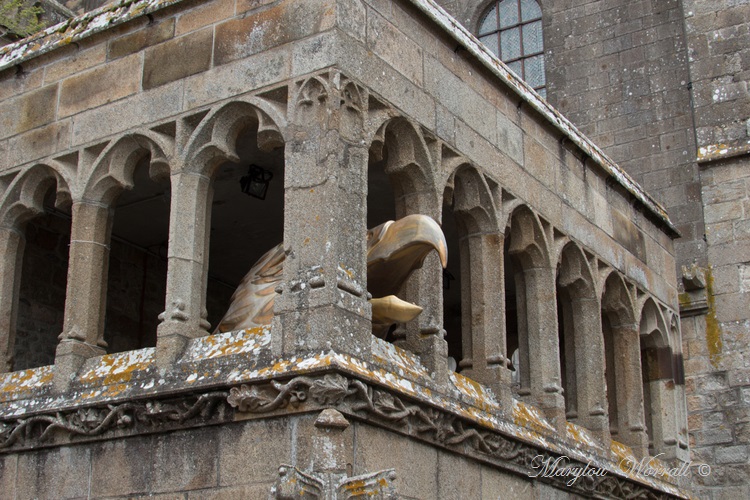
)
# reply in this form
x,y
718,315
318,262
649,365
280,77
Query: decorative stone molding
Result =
x,y
292,483
105,420
426,423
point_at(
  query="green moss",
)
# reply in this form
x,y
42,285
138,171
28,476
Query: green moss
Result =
x,y
713,329
20,17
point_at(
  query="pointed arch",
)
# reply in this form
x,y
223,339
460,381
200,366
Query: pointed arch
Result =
x,y
214,139
410,166
581,343
112,171
528,242
624,387
658,375
24,197
533,287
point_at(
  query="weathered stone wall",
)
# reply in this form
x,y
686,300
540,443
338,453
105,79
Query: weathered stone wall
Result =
x,y
619,71
717,356
719,44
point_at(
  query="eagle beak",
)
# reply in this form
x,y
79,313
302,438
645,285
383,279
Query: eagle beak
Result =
x,y
395,250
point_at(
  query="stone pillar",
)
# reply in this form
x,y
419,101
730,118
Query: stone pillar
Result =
x,y
665,421
589,367
425,336
187,269
323,303
12,243
484,314
631,424
542,339
86,295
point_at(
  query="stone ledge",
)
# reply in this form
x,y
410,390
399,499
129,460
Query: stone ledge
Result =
x,y
718,152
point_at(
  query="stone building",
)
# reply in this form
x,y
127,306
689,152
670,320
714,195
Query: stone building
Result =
x,y
126,139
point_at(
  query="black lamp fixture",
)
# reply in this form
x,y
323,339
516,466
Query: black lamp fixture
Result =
x,y
256,182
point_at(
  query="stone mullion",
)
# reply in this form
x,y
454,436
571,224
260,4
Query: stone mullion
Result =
x,y
487,313
630,410
12,245
541,324
425,335
590,361
86,295
187,265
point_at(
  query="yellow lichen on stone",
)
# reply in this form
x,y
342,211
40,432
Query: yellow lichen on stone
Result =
x,y
714,341
524,416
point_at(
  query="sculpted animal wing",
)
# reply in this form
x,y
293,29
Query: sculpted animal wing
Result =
x,y
252,303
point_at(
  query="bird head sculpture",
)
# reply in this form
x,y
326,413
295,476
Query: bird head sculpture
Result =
x,y
395,249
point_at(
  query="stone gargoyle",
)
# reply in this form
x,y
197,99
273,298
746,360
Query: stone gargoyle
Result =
x,y
394,250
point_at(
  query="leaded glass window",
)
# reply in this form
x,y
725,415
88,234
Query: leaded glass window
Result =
x,y
512,29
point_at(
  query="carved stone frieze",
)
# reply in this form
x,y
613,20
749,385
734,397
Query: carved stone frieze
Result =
x,y
141,416
429,424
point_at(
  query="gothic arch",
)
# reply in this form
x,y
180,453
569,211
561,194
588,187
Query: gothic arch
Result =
x,y
530,272
112,172
528,242
23,200
410,166
582,350
652,324
658,375
24,197
473,201
617,302
214,139
622,356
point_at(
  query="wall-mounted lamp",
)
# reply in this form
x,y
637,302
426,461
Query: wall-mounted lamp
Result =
x,y
255,183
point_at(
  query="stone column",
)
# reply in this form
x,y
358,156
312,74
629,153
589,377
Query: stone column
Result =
x,y
12,243
323,303
187,268
86,295
484,314
589,367
425,336
631,424
543,348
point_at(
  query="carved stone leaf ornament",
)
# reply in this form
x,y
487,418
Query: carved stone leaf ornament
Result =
x,y
95,421
329,390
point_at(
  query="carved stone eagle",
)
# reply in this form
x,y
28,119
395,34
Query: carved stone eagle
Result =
x,y
394,250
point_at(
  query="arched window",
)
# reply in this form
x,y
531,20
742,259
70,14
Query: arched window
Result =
x,y
512,29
